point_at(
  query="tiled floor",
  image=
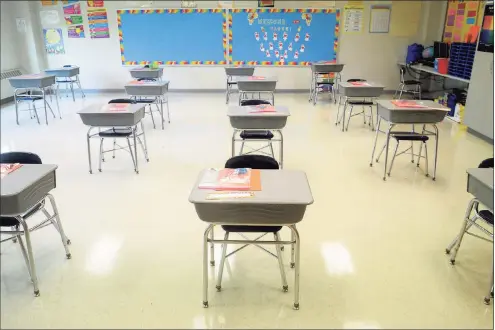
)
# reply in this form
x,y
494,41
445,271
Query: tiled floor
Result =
x,y
372,251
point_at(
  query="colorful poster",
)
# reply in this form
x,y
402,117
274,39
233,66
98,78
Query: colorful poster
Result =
x,y
98,23
54,42
353,18
48,2
73,9
96,3
76,31
65,2
73,19
461,16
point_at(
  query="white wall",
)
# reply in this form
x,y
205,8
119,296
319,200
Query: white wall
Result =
x,y
369,56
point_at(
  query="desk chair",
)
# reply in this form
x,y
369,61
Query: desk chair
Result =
x,y
412,137
485,217
69,81
263,163
408,86
122,133
252,135
21,220
153,100
231,82
356,102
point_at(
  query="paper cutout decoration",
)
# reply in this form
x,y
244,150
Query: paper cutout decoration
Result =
x,y
54,43
76,31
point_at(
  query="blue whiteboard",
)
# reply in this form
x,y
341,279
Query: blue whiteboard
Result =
x,y
283,36
172,36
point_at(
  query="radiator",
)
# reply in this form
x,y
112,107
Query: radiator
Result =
x,y
6,89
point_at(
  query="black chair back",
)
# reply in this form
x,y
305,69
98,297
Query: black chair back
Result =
x,y
67,66
121,101
254,102
19,157
259,162
356,80
487,163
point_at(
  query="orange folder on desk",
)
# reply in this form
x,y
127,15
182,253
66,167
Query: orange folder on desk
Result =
x,y
116,107
256,78
228,179
262,108
6,169
408,104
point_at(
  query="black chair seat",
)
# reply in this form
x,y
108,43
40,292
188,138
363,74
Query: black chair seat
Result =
x,y
11,221
146,79
116,132
412,82
29,98
260,162
487,216
251,229
360,103
410,136
145,101
256,134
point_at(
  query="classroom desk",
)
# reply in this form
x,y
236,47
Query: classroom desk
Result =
x,y
141,91
67,75
348,91
25,187
480,185
318,70
232,73
242,118
431,70
96,116
394,115
146,73
256,85
282,201
27,86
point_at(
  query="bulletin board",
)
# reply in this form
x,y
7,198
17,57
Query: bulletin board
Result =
x,y
461,16
273,36
173,36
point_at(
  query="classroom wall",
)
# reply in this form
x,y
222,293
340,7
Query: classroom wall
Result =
x,y
370,56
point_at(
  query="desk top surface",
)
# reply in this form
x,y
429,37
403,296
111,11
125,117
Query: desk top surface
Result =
x,y
68,68
429,69
98,109
432,106
371,84
34,76
254,80
15,182
484,175
146,69
246,111
280,187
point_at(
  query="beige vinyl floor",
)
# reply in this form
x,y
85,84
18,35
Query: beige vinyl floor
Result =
x,y
372,253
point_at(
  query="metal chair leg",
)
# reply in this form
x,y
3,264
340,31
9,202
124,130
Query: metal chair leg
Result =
x,y
285,287
114,146
401,90
89,150
242,148
454,241
297,266
377,130
222,263
490,291
24,254
426,160
465,222
100,158
59,227
205,265
27,235
212,247
271,148
349,119
130,151
393,158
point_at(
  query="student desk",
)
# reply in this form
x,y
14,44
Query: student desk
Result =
x,y
395,115
282,201
26,88
480,185
243,118
150,92
351,91
232,74
318,71
146,73
22,189
258,85
431,70
67,75
96,116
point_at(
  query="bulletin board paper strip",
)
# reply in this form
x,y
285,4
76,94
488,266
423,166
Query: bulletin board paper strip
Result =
x,y
225,22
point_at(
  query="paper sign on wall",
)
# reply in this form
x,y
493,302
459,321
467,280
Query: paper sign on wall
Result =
x,y
380,18
97,3
21,24
73,19
73,9
54,43
353,18
76,31
49,17
98,23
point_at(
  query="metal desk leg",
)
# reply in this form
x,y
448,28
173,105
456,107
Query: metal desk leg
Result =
x,y
145,147
44,103
465,223
135,148
436,152
65,240
376,139
205,265
343,114
212,247
89,150
16,108
161,112
233,143
490,291
78,82
281,266
297,267
27,235
72,90
222,263
281,149
386,152
168,108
